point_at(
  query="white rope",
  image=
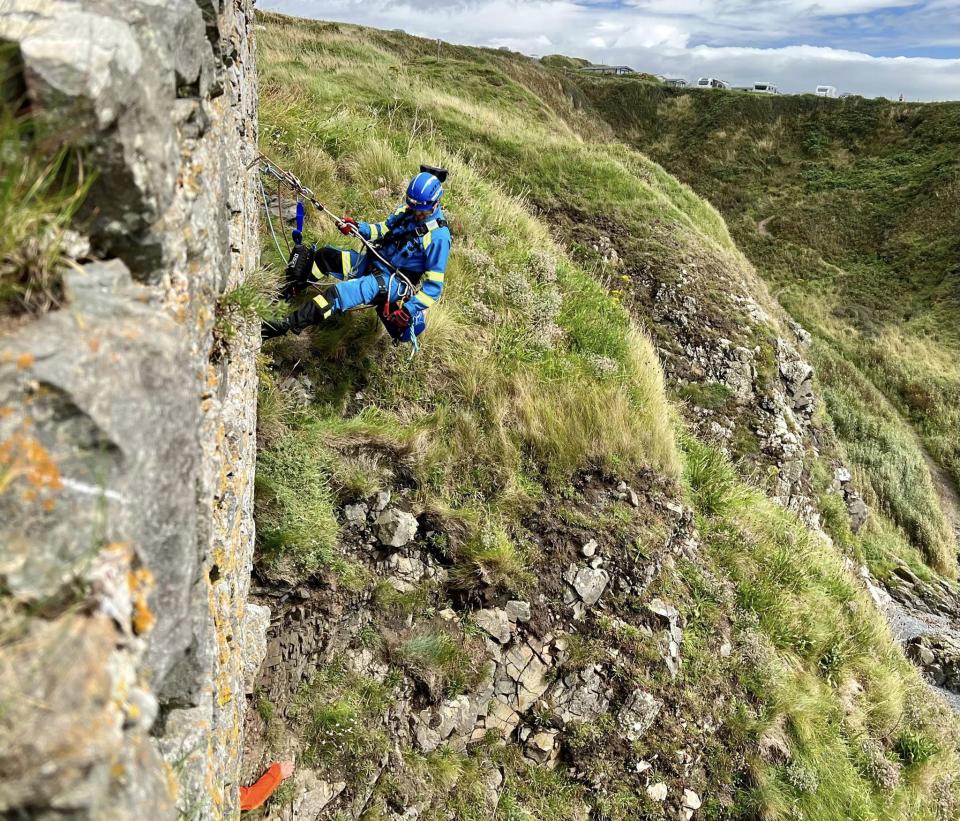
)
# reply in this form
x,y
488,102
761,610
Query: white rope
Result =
x,y
266,207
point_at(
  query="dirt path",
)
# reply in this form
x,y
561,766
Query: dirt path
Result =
x,y
946,490
762,226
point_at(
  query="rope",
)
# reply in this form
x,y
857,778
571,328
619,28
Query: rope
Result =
x,y
280,216
266,207
414,343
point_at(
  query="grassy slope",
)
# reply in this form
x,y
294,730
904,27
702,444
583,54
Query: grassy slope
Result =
x,y
860,206
515,391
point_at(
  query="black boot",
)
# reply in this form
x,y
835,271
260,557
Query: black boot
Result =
x,y
271,330
314,311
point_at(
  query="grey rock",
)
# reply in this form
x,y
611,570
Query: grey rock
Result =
x,y
579,697
589,548
355,514
542,747
657,792
691,800
396,528
665,611
518,610
590,584
151,431
314,795
638,714
495,622
256,622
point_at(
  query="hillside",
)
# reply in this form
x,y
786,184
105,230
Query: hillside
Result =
x,y
568,562
849,210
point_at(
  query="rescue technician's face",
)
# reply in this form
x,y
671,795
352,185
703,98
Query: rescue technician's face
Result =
x,y
420,216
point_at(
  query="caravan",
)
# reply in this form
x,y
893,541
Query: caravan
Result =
x,y
826,91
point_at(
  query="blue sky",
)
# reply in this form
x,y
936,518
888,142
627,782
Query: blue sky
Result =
x,y
870,47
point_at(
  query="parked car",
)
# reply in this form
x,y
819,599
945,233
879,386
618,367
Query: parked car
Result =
x,y
711,82
826,91
765,88
676,82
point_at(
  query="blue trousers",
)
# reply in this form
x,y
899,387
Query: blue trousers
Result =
x,y
358,288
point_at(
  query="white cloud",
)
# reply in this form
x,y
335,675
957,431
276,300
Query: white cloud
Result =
x,y
693,38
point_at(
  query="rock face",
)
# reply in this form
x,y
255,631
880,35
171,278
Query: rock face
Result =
x,y
741,371
127,528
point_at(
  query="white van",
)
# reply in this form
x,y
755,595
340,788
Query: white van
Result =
x,y
826,91
765,88
711,82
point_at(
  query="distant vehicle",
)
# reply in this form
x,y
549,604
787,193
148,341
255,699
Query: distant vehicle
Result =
x,y
676,82
711,82
847,94
765,88
826,91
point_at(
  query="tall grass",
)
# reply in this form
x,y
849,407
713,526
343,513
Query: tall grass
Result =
x,y
822,663
41,188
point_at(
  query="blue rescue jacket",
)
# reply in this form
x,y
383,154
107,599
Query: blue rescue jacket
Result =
x,y
419,249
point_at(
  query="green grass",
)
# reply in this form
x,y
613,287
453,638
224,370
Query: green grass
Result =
x,y
528,371
337,714
821,664
41,188
252,301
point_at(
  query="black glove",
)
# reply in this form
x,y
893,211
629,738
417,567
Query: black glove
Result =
x,y
297,274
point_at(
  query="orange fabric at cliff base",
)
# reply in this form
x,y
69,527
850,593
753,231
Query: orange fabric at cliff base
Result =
x,y
254,796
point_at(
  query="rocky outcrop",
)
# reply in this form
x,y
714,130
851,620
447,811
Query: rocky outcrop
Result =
x,y
739,368
126,434
538,674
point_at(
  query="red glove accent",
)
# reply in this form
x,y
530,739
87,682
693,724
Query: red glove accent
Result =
x,y
347,226
400,318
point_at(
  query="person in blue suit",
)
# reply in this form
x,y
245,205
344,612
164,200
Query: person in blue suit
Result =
x,y
414,239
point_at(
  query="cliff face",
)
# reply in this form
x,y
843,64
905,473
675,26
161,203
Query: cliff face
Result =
x,y
127,426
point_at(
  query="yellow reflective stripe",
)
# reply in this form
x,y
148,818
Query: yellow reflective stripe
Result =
x,y
324,305
384,229
435,276
425,299
400,210
427,239
345,262
374,232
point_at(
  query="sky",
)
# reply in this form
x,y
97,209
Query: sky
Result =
x,y
870,47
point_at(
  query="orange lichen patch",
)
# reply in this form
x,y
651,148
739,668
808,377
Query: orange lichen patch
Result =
x,y
5,411
141,583
118,770
173,786
23,458
93,344
24,361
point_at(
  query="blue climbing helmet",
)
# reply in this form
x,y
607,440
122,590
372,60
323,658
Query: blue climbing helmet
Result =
x,y
424,192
